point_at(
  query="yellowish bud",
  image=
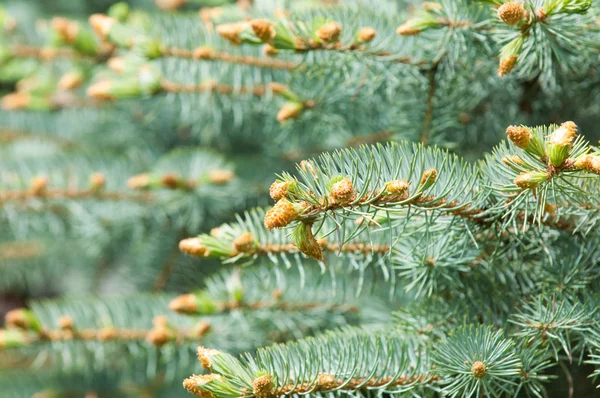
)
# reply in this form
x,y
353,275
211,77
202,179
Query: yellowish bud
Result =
x,y
65,322
184,304
397,186
139,181
38,185
101,90
507,65
205,355
512,12
263,29
193,246
70,80
107,334
270,51
169,4
326,382
366,34
565,134
479,369
116,64
231,31
15,101
203,53
530,179
279,189
159,336
220,177
342,191
244,243
329,32
519,135
263,387
281,214
407,29
97,181
101,24
289,110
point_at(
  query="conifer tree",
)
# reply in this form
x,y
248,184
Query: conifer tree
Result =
x,y
262,198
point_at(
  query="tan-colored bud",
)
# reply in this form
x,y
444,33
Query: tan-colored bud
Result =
x,y
169,4
308,167
205,355
530,179
116,64
220,177
329,32
15,101
202,328
512,13
397,186
17,319
342,191
430,6
326,382
61,26
279,189
107,334
101,24
541,14
38,185
193,384
101,90
170,181
263,29
479,369
184,304
203,53
193,246
289,110
366,34
407,29
70,80
565,134
65,322
231,31
244,243
263,387
519,135
97,181
159,336
510,160
139,181
280,215
270,51
589,163
507,65
310,246
429,176
278,88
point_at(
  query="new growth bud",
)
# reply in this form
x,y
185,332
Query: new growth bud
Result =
x,y
428,178
221,176
366,35
507,65
561,142
193,246
512,12
342,192
280,215
245,243
479,369
519,135
531,179
263,387
329,32
263,29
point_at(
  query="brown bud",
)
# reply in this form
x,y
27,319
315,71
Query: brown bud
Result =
x,y
509,160
310,246
530,179
270,51
430,6
193,246
38,185
204,356
326,382
512,12
507,65
101,24
202,328
170,181
565,134
279,189
70,80
65,322
280,215
429,176
139,181
397,186
329,32
263,387
366,34
231,31
159,336
519,135
220,177
263,29
203,53
101,90
479,369
289,110
17,319
116,64
589,163
193,383
15,101
97,181
169,4
278,88
342,191
244,243
184,304
407,29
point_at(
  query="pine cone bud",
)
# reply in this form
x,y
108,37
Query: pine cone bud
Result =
x,y
278,88
140,181
245,243
194,385
15,101
203,53
530,179
589,163
342,191
231,31
270,51
479,369
116,64
107,334
205,355
329,32
289,110
279,189
565,134
169,4
519,135
101,24
428,178
281,214
309,245
220,177
202,328
159,336
170,181
101,90
397,186
184,304
65,322
408,29
507,65
430,6
97,181
193,246
366,34
263,387
513,162
38,185
307,166
512,13
263,30
326,382
18,318
70,80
